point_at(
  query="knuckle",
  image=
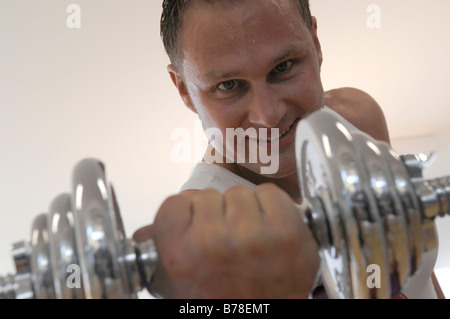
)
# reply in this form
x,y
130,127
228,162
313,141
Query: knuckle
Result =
x,y
174,213
209,194
237,190
267,189
173,201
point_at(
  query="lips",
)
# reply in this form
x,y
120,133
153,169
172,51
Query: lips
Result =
x,y
281,135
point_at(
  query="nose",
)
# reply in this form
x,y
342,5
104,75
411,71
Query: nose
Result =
x,y
266,107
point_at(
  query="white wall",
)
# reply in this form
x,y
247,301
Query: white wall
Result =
x,y
103,91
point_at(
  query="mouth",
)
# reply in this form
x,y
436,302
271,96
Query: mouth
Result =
x,y
280,136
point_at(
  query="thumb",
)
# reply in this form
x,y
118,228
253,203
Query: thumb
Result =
x,y
144,233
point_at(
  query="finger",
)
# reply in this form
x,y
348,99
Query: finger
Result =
x,y
144,233
207,208
173,217
241,205
279,209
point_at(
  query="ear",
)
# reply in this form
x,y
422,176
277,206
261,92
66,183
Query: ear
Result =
x,y
181,86
316,40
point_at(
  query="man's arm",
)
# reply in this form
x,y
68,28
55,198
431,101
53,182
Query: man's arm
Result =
x,y
360,109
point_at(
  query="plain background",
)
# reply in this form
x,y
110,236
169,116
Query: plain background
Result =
x,y
103,91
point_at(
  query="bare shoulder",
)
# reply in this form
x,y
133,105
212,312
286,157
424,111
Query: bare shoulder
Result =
x,y
359,108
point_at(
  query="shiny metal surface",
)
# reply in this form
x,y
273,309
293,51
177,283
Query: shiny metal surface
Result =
x,y
393,205
439,187
7,290
83,231
445,183
147,256
41,268
406,214
364,203
95,224
320,154
387,214
63,250
376,241
427,196
22,280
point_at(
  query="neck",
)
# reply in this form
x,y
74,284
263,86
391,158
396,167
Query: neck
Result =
x,y
288,183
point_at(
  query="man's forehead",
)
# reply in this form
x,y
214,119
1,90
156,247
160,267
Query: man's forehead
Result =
x,y
240,8
271,34
238,17
278,55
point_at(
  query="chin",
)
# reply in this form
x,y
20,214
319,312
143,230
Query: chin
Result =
x,y
282,166
287,166
282,172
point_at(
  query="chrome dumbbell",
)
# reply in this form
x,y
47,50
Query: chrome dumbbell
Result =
x,y
366,205
83,229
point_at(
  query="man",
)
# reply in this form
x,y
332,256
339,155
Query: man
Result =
x,y
233,232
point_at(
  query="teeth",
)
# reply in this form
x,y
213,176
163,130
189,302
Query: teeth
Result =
x,y
271,139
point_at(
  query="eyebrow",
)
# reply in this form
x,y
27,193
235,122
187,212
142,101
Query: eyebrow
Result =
x,y
293,49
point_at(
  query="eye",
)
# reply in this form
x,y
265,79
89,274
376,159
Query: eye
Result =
x,y
283,67
227,85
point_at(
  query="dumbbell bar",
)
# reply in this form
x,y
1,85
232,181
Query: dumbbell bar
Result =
x,y
366,205
363,203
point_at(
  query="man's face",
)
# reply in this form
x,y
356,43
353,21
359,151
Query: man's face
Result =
x,y
251,64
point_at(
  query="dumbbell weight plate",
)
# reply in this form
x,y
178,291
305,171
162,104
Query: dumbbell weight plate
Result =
x,y
407,204
63,251
98,233
372,231
41,269
381,191
357,202
322,144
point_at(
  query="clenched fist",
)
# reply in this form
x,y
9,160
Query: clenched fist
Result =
x,y
242,244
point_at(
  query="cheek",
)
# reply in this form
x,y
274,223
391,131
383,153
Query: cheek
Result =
x,y
216,119
202,107
217,116
306,92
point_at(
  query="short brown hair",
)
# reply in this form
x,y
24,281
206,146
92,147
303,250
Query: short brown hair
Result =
x,y
171,20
